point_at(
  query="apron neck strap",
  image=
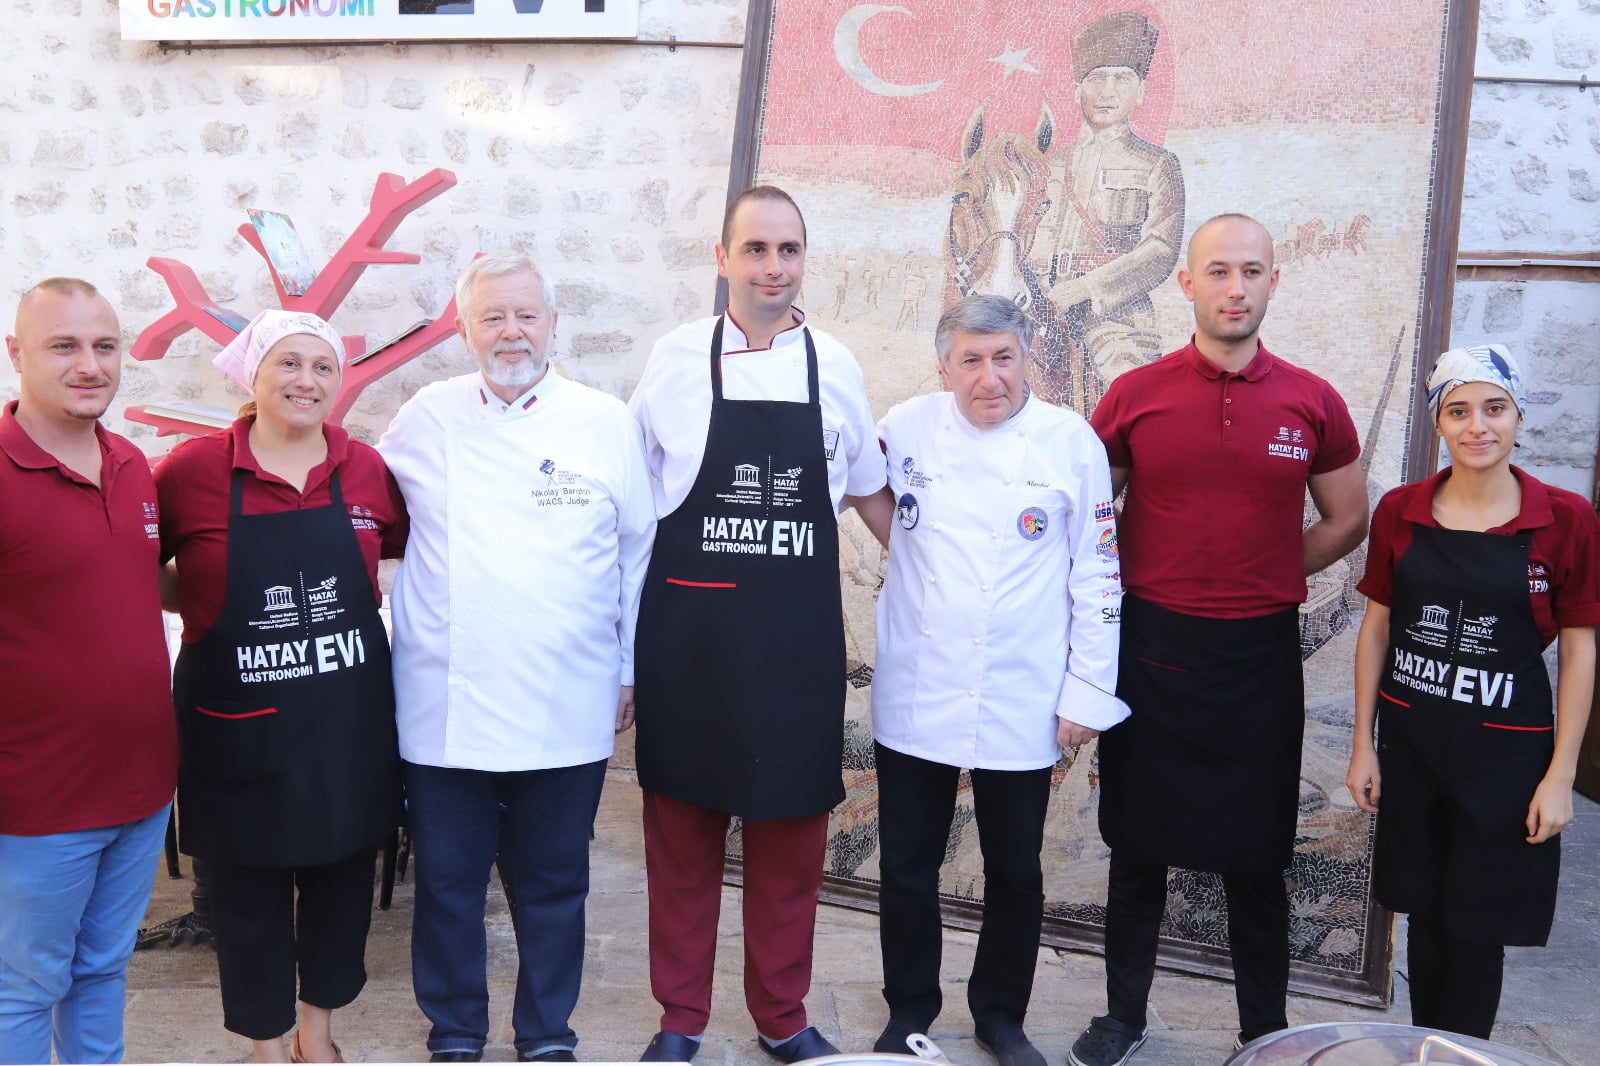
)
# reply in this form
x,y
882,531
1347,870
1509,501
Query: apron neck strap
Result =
x,y
236,491
716,360
813,390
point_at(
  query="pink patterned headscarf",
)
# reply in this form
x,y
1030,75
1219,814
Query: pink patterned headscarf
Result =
x,y
242,357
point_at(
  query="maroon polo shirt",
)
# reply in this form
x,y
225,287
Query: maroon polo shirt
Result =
x,y
1563,556
87,736
194,480
1218,463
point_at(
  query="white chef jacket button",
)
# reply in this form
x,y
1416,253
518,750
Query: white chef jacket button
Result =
x,y
972,692
933,579
983,588
937,527
1007,481
993,535
977,640
927,632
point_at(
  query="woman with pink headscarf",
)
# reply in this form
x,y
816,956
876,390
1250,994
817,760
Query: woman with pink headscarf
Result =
x,y
289,768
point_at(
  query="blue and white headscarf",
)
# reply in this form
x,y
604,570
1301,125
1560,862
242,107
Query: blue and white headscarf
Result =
x,y
1491,363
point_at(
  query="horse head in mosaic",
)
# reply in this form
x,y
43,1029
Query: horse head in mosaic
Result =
x,y
1000,195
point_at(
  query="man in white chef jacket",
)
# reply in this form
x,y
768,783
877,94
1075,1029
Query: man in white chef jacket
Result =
x,y
997,647
514,612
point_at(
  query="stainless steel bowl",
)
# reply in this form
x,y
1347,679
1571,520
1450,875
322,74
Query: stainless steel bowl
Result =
x,y
1376,1044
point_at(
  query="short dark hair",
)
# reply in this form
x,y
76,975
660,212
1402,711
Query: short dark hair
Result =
x,y
1234,216
759,192
1230,216
986,314
60,286
63,287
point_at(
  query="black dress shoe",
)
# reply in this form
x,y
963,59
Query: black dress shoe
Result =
x,y
806,1044
555,1054
893,1039
1011,1047
667,1046
457,1056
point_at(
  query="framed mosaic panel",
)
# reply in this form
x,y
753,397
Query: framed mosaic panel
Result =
x,y
943,147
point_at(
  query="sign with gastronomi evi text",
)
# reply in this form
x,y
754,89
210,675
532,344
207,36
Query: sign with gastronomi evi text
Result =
x,y
376,20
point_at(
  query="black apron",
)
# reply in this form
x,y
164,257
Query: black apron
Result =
x,y
739,657
287,743
1465,735
1205,773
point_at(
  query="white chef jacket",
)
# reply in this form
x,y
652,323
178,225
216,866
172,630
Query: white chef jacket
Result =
x,y
673,404
514,608
1002,604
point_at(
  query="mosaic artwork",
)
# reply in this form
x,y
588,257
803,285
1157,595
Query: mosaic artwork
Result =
x,y
1060,152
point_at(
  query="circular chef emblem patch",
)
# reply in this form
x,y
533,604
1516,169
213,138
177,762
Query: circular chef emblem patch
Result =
x,y
1031,523
907,511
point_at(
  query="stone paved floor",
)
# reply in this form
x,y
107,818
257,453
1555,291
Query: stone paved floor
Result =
x,y
1551,1004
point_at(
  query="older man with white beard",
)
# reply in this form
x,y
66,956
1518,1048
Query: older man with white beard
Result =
x,y
514,610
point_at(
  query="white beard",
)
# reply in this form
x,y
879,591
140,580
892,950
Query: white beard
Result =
x,y
514,375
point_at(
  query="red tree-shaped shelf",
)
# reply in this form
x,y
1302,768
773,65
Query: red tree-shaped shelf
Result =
x,y
392,200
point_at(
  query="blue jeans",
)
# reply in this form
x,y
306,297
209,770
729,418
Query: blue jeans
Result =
x,y
456,829
70,904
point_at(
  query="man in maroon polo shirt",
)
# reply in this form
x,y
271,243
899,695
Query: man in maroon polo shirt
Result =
x,y
1216,445
88,745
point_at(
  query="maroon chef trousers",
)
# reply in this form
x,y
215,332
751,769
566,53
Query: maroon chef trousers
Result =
x,y
683,856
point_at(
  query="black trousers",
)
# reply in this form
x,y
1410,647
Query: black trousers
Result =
x,y
264,935
1455,983
916,803
1258,938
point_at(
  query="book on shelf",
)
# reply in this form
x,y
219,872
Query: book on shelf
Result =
x,y
390,343
286,251
229,317
187,411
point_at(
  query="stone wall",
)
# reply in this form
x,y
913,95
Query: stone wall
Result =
x,y
1553,327
606,162
1533,186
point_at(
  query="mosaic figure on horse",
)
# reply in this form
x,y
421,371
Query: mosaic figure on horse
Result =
x,y
1000,197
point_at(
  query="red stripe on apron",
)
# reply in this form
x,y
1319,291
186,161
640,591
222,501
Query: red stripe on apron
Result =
x,y
246,714
1162,666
